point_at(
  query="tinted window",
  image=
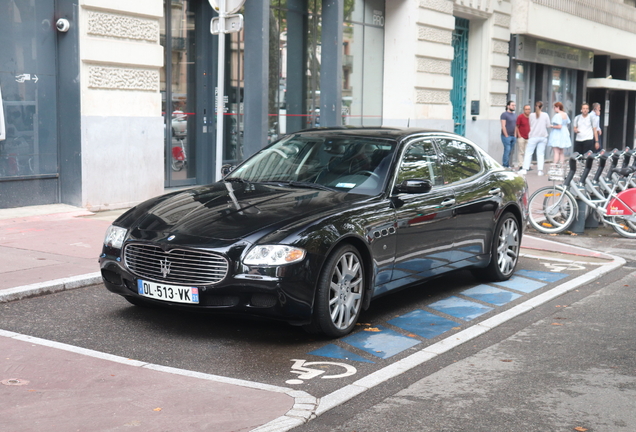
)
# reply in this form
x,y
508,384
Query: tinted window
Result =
x,y
461,160
420,162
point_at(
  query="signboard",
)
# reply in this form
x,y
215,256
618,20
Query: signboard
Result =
x,y
553,54
229,24
231,6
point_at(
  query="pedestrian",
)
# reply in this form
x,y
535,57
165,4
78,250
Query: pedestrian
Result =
x,y
537,138
559,139
584,127
522,129
596,117
508,123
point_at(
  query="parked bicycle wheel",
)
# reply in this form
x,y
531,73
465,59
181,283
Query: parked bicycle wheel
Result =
x,y
551,210
177,165
624,227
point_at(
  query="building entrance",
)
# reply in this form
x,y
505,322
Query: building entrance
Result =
x,y
29,170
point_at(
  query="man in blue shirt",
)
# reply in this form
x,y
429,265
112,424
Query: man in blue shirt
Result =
x,y
508,123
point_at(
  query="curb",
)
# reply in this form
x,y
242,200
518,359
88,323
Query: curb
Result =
x,y
50,287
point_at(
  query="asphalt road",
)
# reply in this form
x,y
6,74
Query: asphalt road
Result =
x,y
569,365
395,327
566,364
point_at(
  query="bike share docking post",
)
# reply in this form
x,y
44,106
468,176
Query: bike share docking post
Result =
x,y
591,221
578,224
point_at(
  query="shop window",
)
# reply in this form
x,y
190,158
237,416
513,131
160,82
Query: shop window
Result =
x,y
294,66
178,92
362,62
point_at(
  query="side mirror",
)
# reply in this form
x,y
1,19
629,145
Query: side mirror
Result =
x,y
226,169
414,186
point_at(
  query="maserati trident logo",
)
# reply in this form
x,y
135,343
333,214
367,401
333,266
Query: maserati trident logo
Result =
x,y
165,267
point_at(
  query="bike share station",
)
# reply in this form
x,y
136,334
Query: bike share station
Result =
x,y
575,206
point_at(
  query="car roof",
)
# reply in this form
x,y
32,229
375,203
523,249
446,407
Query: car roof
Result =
x,y
395,133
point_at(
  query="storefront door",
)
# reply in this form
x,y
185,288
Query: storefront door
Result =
x,y
29,151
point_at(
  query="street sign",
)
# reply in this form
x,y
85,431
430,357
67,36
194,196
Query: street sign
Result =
x,y
229,24
231,6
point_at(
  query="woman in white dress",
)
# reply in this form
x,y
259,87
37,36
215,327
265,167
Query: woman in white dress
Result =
x,y
559,138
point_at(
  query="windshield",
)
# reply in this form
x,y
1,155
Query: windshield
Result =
x,y
349,164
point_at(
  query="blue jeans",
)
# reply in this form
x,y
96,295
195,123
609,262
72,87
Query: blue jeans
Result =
x,y
509,144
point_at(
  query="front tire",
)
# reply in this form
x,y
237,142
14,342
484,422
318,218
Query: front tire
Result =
x,y
504,254
551,210
339,294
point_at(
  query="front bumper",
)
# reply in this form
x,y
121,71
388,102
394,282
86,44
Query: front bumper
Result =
x,y
286,295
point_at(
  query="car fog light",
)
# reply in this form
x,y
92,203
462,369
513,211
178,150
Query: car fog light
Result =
x,y
273,255
114,237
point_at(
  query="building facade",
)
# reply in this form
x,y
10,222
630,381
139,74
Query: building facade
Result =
x,y
106,103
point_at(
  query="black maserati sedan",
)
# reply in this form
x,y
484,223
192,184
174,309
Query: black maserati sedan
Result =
x,y
316,225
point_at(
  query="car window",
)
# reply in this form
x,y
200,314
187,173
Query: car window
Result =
x,y
461,160
420,161
343,163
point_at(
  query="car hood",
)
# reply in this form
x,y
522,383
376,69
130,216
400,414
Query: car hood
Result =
x,y
233,211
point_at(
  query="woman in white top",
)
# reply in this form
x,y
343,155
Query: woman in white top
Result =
x,y
537,138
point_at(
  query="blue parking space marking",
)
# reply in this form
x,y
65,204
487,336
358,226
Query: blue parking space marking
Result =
x,y
384,344
460,308
544,276
334,351
492,295
387,343
521,284
424,324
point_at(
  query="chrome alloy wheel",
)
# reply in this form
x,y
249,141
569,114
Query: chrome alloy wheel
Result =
x,y
508,246
345,293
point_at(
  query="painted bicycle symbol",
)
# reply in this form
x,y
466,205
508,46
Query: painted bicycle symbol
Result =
x,y
305,373
561,267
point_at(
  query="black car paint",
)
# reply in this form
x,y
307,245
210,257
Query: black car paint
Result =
x,y
387,229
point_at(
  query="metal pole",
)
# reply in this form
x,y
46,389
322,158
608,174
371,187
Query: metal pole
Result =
x,y
220,91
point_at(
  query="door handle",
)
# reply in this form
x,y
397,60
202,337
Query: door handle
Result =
x,y
495,191
448,202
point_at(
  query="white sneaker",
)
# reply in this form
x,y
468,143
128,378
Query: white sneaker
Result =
x,y
523,172
540,173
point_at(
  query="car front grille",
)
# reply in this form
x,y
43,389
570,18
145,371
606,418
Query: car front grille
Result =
x,y
179,266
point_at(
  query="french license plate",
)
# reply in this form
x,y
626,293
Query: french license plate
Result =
x,y
178,294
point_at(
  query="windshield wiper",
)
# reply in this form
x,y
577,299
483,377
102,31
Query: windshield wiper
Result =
x,y
234,180
309,185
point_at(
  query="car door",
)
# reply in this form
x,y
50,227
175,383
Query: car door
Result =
x,y
477,197
424,220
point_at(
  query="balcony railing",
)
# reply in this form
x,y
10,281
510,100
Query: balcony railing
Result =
x,y
614,13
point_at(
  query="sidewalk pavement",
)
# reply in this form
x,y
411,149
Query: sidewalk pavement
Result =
x,y
53,386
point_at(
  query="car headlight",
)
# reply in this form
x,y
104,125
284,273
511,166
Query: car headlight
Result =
x,y
115,236
273,255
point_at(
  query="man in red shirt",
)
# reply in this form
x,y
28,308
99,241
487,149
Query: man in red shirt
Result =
x,y
522,129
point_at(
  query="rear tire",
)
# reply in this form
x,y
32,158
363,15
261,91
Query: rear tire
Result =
x,y
504,250
339,294
177,165
626,229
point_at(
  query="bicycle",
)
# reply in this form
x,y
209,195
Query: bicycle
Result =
x,y
552,209
179,158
